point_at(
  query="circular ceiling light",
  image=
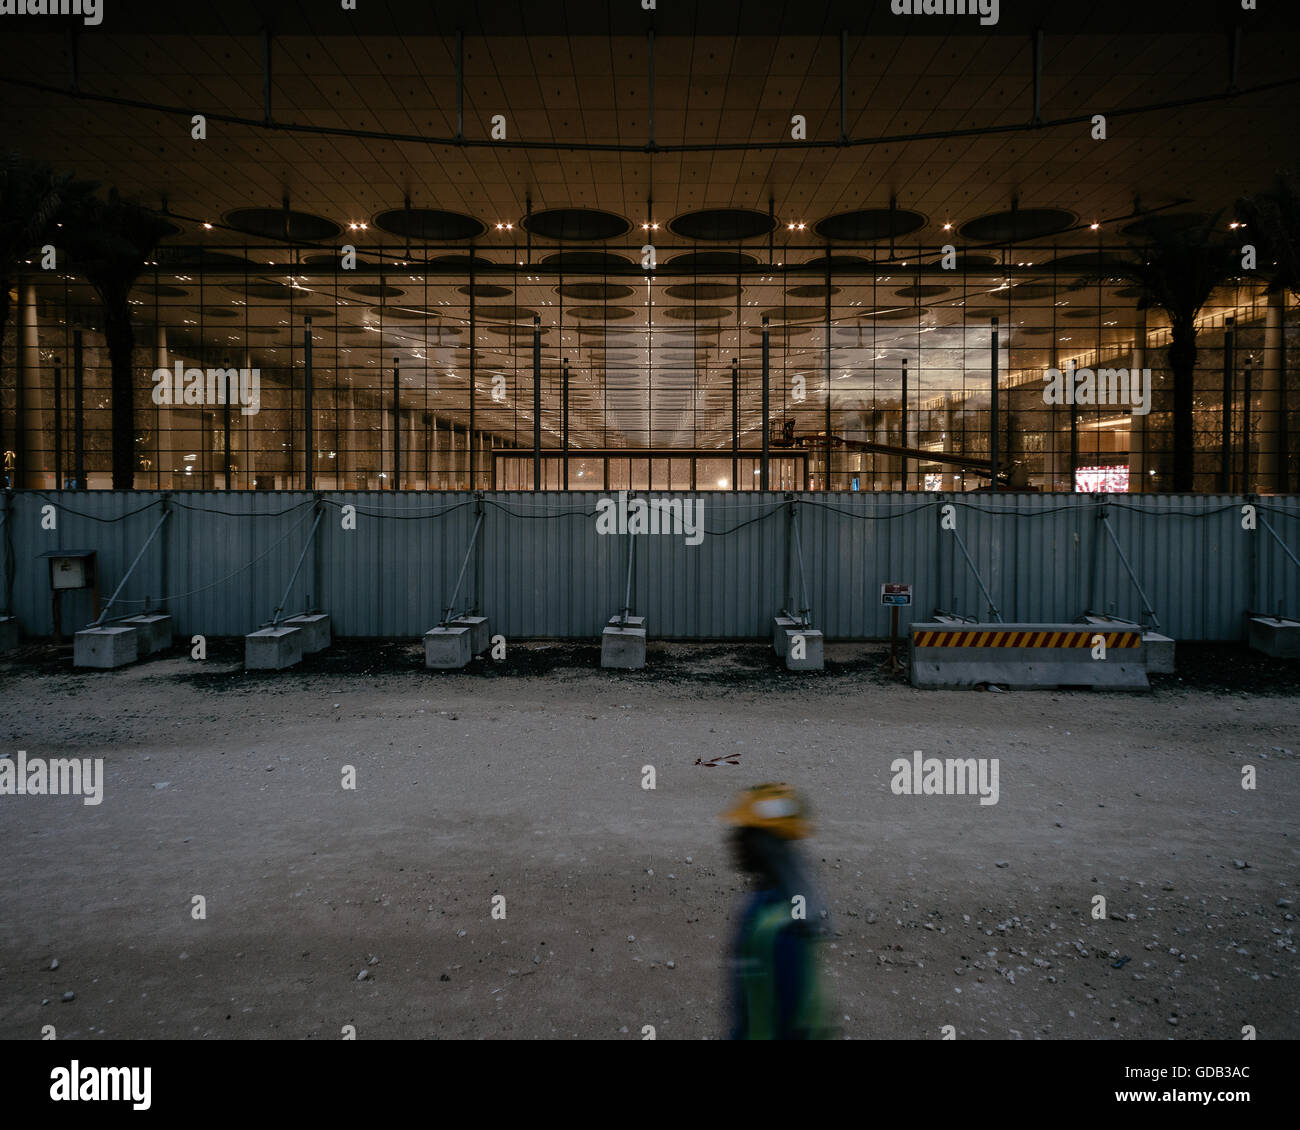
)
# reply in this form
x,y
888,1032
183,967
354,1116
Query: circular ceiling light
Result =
x,y
839,262
375,290
485,290
509,313
722,225
461,262
329,259
1018,224
869,225
783,331
811,291
603,261
794,313
276,223
515,333
581,224
429,225
702,292
695,313
601,313
593,291
711,261
967,262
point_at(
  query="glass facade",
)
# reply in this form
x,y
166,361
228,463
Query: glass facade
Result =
x,y
443,368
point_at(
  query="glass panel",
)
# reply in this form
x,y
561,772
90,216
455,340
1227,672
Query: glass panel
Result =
x,y
586,474
713,474
879,377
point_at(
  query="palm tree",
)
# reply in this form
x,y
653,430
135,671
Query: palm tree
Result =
x,y
30,196
1272,219
1176,270
109,242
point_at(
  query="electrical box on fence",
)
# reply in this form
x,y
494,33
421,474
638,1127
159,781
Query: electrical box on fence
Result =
x,y
71,568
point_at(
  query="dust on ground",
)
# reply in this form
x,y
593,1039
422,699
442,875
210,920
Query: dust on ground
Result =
x,y
524,779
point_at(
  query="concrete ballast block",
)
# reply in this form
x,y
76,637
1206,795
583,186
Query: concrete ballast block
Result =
x,y
805,657
1275,637
781,625
273,649
155,630
623,648
8,633
449,647
1159,652
1157,649
479,633
106,647
315,631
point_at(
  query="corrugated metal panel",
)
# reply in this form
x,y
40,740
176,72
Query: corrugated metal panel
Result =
x,y
1277,578
547,571
115,525
543,569
231,555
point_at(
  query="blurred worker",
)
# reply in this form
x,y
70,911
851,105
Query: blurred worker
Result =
x,y
776,982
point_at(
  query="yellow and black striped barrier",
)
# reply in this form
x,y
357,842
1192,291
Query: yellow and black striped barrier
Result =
x,y
1021,656
1002,637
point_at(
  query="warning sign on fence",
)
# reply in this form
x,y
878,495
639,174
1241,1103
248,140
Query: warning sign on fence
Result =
x,y
895,594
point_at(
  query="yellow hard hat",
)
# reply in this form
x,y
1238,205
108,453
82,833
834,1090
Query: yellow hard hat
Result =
x,y
774,807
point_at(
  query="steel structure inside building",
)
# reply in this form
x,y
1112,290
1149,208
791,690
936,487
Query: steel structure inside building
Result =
x,y
572,248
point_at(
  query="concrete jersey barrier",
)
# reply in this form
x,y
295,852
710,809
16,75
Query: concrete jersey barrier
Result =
x,y
1021,656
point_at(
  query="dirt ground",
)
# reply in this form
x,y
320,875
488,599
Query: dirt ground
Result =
x,y
524,779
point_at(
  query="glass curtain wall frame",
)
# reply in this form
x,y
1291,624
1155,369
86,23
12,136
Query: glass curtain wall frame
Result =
x,y
649,363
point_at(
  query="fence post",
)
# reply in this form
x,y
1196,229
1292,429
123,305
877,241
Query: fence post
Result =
x,y
8,552
1252,601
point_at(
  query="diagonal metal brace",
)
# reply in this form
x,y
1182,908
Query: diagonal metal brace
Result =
x,y
279,609
804,614
627,589
1147,610
127,575
993,608
1285,548
448,612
